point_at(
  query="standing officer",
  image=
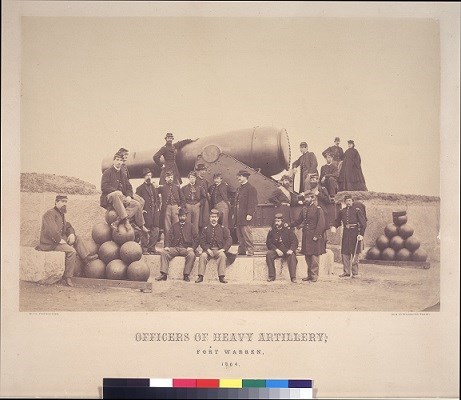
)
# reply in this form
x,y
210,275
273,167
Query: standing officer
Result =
x,y
281,242
312,221
169,152
172,199
181,240
307,163
246,201
219,199
354,224
194,196
200,169
148,192
283,198
215,241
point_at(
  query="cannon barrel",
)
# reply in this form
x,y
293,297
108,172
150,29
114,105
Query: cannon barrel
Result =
x,y
264,148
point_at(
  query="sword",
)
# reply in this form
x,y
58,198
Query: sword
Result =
x,y
353,257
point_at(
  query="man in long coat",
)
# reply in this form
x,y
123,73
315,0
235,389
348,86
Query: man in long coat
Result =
x,y
307,163
312,221
351,177
57,234
246,201
329,174
284,199
195,197
336,152
172,200
169,152
148,192
354,223
201,181
281,242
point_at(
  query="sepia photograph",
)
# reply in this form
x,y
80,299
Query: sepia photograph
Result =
x,y
187,163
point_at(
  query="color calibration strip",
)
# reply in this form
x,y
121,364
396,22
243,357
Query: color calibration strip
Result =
x,y
180,388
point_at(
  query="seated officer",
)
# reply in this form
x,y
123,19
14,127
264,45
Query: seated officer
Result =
x,y
215,241
281,242
181,240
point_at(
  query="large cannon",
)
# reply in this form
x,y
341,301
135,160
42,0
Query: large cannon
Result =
x,y
262,148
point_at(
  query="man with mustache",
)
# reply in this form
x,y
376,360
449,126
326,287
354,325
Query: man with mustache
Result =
x,y
283,198
57,234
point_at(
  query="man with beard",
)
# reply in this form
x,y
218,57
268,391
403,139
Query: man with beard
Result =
x,y
215,241
181,240
194,197
283,198
57,234
354,223
312,221
351,177
329,174
246,201
149,194
282,242
124,152
336,152
169,152
200,169
172,199
117,192
307,163
219,199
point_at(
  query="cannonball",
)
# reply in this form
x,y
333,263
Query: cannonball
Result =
x,y
402,219
111,216
396,243
382,242
373,253
95,269
78,269
116,269
138,271
122,235
388,254
391,230
419,255
403,255
412,243
91,246
101,233
109,251
406,231
130,251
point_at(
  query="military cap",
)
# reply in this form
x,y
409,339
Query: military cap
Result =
x,y
169,135
350,142
145,171
192,173
214,211
169,173
243,172
337,139
217,175
286,177
60,197
200,167
328,154
122,150
278,216
182,211
347,196
303,144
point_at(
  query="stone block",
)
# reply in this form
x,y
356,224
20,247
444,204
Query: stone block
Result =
x,y
44,267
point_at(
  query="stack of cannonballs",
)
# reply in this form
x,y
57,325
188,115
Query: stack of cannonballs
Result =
x,y
119,255
398,242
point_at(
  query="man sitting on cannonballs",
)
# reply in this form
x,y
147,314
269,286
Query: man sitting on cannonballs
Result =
x,y
215,240
118,192
57,234
181,240
281,242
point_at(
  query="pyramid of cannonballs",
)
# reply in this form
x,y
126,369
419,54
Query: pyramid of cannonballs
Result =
x,y
119,255
398,242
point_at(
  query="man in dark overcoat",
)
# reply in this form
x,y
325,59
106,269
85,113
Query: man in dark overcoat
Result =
x,y
148,192
329,174
312,221
57,234
172,200
336,152
219,199
281,242
201,181
169,153
181,240
354,223
215,241
246,201
307,164
194,196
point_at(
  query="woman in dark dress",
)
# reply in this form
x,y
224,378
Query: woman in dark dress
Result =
x,y
351,177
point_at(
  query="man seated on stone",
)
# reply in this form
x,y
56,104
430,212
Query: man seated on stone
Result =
x,y
181,240
329,174
281,242
215,241
57,234
117,192
283,198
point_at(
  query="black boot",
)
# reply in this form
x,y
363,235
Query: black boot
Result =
x,y
271,279
162,277
186,278
199,279
221,279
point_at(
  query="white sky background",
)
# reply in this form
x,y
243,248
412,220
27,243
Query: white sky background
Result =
x,y
92,85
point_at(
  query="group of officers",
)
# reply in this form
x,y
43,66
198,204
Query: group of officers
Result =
x,y
196,220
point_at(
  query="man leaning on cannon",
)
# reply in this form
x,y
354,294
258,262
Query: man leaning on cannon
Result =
x,y
281,242
57,234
